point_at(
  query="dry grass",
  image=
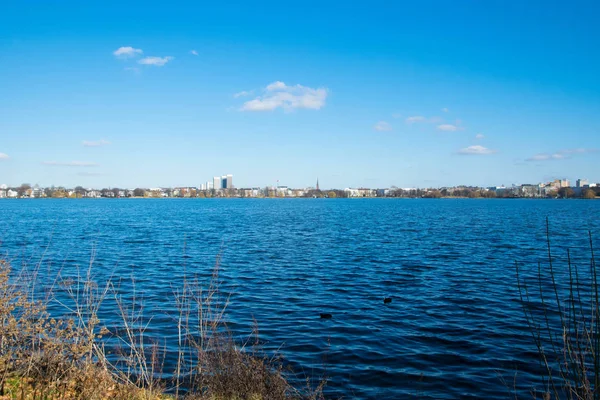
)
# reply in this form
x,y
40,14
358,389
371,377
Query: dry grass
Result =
x,y
46,358
562,309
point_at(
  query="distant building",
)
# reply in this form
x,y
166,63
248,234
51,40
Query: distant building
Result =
x,y
36,192
581,183
227,182
554,185
351,192
527,190
217,183
360,192
557,184
283,191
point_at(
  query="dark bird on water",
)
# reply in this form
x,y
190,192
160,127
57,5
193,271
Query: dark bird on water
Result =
x,y
326,316
387,300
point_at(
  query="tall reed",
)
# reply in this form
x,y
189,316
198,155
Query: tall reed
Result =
x,y
562,310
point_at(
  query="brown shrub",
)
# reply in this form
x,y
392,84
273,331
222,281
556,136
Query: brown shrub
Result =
x,y
46,358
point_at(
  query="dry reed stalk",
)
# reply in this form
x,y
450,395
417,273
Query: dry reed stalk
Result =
x,y
566,331
46,358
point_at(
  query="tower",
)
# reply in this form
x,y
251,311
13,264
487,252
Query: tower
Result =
x,y
318,184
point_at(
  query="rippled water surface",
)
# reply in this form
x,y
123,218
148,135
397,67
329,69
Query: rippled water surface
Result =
x,y
454,329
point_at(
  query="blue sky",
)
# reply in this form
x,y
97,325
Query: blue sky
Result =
x,y
426,93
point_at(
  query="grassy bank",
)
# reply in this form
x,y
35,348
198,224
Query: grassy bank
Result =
x,y
42,357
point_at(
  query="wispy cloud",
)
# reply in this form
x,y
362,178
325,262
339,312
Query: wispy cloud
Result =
x,y
96,143
243,93
382,126
445,109
546,157
156,61
436,120
193,52
476,150
69,164
578,151
278,85
447,127
279,95
135,70
88,173
4,156
479,136
127,51
415,119
560,155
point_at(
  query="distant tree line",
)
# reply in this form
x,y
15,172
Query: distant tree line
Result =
x,y
466,192
26,190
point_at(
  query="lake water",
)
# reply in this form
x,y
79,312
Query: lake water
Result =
x,y
455,327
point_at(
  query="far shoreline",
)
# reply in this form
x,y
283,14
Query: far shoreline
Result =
x,y
295,198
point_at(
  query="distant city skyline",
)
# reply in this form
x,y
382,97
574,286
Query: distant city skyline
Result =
x,y
225,182
423,94
559,188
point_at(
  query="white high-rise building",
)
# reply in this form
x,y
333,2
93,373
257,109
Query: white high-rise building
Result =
x,y
216,182
582,183
227,181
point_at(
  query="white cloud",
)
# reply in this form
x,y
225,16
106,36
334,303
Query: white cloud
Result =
x,y
447,127
382,126
476,150
578,151
243,93
279,95
96,143
416,118
88,173
4,156
545,157
278,85
479,136
156,61
560,155
69,164
127,51
193,52
445,109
